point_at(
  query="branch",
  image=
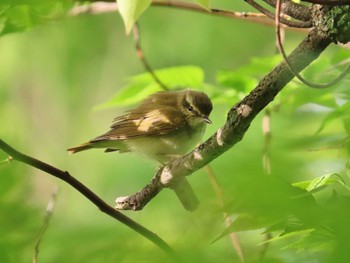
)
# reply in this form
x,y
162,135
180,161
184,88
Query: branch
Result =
x,y
291,67
237,15
328,2
95,199
292,9
141,56
239,117
46,222
221,199
283,20
108,6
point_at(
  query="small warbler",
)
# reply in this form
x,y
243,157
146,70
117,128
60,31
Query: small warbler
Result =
x,y
163,126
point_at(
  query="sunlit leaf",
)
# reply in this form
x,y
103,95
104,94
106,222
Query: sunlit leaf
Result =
x,y
320,183
300,233
131,10
318,240
246,222
203,3
20,16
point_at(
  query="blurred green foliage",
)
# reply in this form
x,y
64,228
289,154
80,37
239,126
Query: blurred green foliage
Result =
x,y
22,15
54,76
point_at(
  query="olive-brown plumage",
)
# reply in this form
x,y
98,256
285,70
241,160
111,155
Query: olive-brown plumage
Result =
x,y
164,125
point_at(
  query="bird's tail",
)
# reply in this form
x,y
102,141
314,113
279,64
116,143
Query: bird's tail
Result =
x,y
79,148
186,194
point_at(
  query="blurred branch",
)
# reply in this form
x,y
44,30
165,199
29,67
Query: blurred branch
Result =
x,y
266,129
94,8
46,222
220,196
95,199
141,56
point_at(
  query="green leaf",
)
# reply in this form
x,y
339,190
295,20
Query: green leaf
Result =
x,y
203,3
246,222
18,16
301,233
246,77
342,112
140,86
131,10
320,183
238,82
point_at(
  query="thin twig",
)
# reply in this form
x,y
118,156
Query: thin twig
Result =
x,y
141,56
266,129
294,10
46,222
93,8
291,68
220,197
110,6
95,199
297,24
248,16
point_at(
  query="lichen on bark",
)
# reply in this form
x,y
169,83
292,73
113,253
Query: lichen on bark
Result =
x,y
337,22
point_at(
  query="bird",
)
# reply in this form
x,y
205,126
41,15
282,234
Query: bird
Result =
x,y
163,126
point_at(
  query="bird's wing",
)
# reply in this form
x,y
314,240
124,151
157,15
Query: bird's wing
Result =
x,y
138,123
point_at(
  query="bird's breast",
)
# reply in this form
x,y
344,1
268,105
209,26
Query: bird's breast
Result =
x,y
162,148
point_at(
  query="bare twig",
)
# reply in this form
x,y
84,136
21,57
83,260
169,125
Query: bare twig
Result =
x,y
220,196
141,56
94,8
271,15
46,222
290,66
95,199
266,129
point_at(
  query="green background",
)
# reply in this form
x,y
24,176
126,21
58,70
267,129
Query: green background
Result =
x,y
54,76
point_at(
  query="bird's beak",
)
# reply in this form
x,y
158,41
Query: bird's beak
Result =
x,y
207,120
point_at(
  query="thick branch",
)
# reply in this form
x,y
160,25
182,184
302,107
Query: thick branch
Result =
x,y
102,205
240,116
292,9
285,21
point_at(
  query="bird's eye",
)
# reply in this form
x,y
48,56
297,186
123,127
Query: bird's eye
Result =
x,y
190,108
